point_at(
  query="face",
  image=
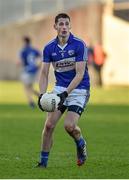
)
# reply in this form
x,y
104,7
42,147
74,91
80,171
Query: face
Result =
x,y
63,27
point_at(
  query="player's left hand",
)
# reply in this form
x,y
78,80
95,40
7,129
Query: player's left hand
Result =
x,y
62,96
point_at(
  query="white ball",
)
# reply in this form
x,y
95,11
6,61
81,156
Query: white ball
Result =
x,y
49,102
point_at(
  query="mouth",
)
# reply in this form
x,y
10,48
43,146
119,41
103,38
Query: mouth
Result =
x,y
64,32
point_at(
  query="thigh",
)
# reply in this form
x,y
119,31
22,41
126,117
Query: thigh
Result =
x,y
71,119
27,78
53,117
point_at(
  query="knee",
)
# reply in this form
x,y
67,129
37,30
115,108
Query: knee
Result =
x,y
48,127
69,128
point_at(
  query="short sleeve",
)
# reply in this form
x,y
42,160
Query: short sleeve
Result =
x,y
81,53
46,55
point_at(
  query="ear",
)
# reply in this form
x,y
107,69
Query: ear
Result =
x,y
55,27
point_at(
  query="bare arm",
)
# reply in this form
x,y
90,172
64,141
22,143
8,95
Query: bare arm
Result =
x,y
80,69
43,80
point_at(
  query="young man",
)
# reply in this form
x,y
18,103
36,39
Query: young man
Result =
x,y
29,58
68,55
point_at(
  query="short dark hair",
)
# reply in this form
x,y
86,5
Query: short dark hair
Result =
x,y
27,39
61,15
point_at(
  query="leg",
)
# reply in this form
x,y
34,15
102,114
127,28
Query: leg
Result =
x,y
100,76
74,131
28,81
36,93
49,126
47,133
28,91
70,125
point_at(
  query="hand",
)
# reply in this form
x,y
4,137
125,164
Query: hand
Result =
x,y
62,96
40,107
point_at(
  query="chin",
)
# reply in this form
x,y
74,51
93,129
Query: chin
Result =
x,y
64,35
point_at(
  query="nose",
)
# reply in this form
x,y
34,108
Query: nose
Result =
x,y
64,25
64,28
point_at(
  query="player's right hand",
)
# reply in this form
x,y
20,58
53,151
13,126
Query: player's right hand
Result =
x,y
39,105
62,96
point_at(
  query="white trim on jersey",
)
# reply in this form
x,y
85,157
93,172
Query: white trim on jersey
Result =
x,y
50,42
85,48
62,47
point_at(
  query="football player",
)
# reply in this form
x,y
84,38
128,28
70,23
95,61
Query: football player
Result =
x,y
30,60
68,55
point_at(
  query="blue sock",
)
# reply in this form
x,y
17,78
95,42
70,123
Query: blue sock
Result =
x,y
79,142
32,105
44,158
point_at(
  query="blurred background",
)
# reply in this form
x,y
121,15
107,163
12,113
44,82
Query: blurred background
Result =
x,y
103,23
104,26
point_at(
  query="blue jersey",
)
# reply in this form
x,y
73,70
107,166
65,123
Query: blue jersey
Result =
x,y
64,59
28,56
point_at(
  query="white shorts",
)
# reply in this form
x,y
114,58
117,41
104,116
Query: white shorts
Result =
x,y
28,78
78,97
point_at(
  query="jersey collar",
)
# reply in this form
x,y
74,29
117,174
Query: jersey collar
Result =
x,y
69,40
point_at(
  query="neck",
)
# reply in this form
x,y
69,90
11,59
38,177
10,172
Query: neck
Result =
x,y
62,40
27,45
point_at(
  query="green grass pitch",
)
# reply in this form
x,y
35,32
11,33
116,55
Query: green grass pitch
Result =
x,y
105,123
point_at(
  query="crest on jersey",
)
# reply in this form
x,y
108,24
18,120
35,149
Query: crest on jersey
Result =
x,y
71,52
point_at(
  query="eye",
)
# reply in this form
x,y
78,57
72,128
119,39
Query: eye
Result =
x,y
67,23
61,24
